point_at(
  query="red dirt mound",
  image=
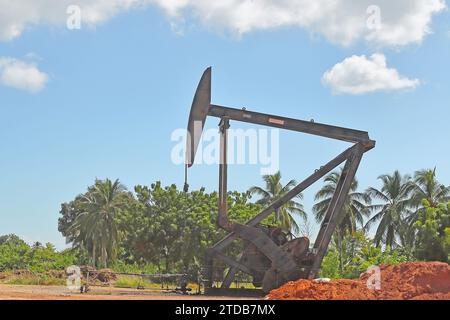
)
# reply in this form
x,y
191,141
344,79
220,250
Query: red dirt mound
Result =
x,y
423,281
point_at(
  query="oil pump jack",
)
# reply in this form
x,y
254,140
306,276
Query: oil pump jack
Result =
x,y
270,256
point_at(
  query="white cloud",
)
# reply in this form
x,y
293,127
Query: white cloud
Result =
x,y
360,75
18,15
21,75
340,21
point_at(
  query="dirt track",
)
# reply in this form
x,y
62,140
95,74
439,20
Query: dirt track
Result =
x,y
15,292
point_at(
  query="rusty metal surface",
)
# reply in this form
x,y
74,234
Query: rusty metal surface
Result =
x,y
317,129
332,216
316,176
222,219
268,257
197,117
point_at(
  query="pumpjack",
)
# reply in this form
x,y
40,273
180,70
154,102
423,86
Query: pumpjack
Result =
x,y
270,256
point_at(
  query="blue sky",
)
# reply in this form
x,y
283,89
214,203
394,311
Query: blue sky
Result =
x,y
116,91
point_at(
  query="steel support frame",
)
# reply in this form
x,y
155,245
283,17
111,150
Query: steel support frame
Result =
x,y
352,158
334,210
222,220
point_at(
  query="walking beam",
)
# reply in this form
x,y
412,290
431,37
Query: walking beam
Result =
x,y
317,129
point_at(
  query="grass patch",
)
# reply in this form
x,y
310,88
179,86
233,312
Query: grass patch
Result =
x,y
34,280
133,282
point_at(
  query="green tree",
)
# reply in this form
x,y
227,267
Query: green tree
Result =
x,y
13,253
427,186
17,254
433,232
90,221
352,214
274,190
44,258
173,229
393,208
355,207
12,240
358,256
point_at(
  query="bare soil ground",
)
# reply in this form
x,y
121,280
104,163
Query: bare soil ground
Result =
x,y
407,281
418,281
16,292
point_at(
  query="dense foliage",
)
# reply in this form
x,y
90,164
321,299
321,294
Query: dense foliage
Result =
x,y
358,253
432,241
17,254
172,229
163,229
159,226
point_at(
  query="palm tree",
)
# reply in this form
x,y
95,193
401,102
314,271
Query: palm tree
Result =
x,y
393,209
426,186
352,214
355,206
95,226
273,191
